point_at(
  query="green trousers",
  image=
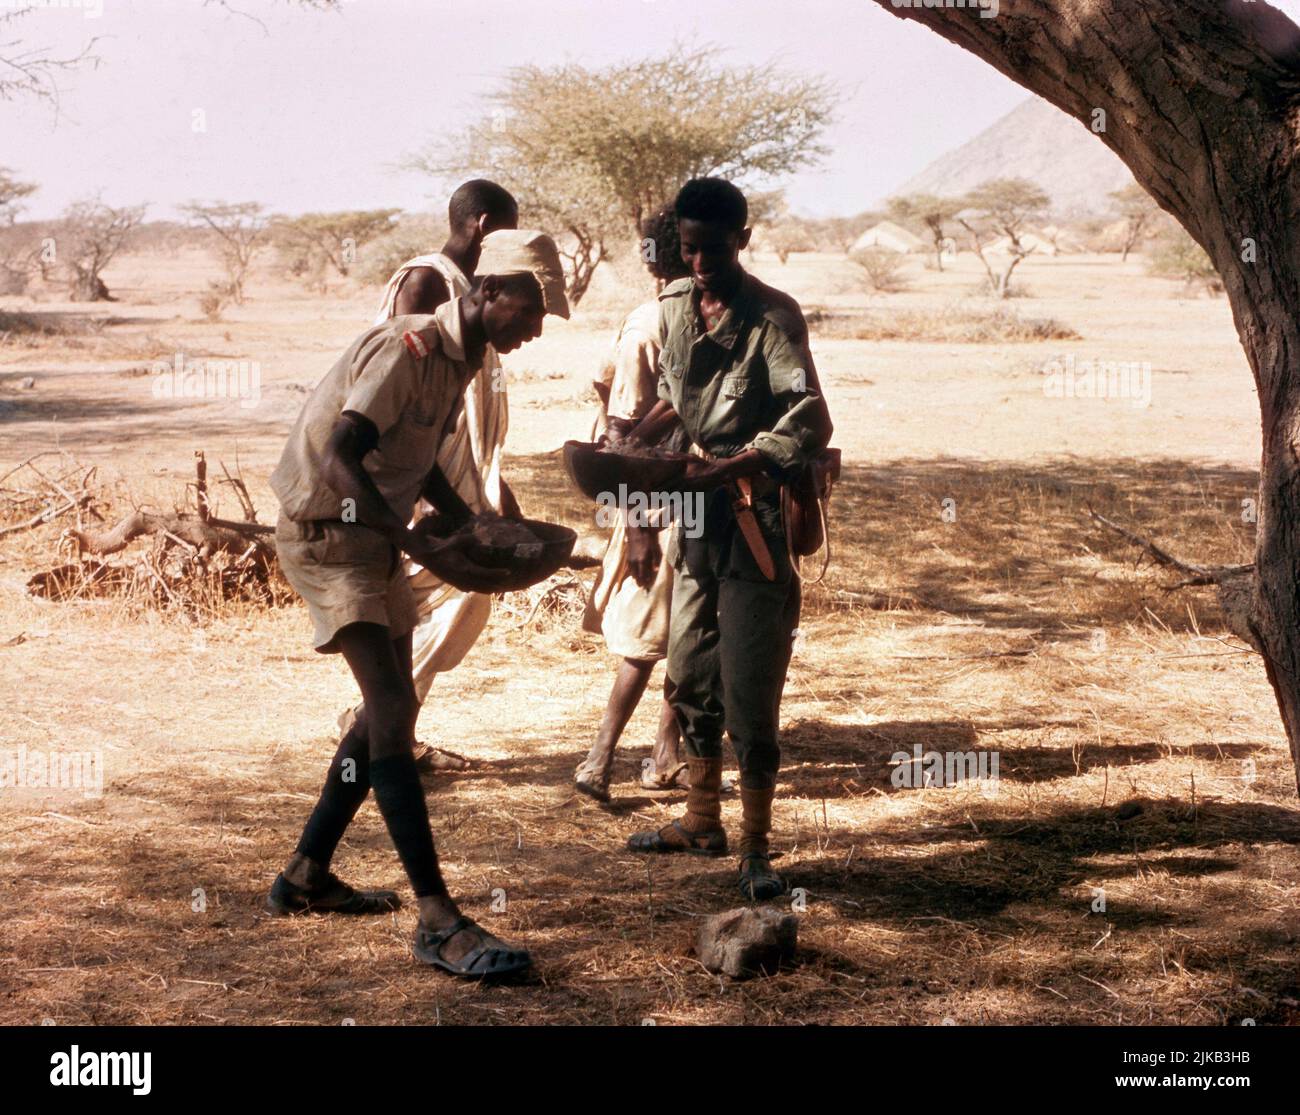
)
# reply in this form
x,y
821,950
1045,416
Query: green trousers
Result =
x,y
730,639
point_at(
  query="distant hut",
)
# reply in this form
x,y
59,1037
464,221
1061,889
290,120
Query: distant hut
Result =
x,y
890,237
1067,243
1039,243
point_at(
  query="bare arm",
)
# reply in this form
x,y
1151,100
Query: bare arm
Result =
x,y
643,554
352,438
708,474
657,422
509,503
422,291
439,492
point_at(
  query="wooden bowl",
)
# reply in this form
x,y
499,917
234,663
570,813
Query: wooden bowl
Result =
x,y
596,472
529,549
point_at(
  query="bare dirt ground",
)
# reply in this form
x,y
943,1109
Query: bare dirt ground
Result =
x,y
1141,757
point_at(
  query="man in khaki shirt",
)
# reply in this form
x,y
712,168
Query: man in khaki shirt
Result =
x,y
360,455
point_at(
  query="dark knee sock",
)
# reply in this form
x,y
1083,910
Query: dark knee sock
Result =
x,y
400,798
346,787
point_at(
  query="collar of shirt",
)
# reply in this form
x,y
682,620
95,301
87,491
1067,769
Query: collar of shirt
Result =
x,y
447,320
443,331
727,331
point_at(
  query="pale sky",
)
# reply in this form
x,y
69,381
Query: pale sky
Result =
x,y
314,111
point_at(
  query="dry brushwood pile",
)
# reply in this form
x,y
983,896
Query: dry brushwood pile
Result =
x,y
195,562
190,559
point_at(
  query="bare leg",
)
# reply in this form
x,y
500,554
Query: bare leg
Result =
x,y
382,668
667,752
301,868
630,683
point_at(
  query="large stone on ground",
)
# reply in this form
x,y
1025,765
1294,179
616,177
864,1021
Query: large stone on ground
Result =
x,y
749,940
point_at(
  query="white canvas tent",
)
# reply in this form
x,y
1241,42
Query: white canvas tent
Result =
x,y
1033,242
891,237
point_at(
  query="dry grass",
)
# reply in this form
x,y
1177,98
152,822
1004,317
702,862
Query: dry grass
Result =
x,y
90,335
961,323
922,905
25,324
1140,748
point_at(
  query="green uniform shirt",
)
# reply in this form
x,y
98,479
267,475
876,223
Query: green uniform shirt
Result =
x,y
749,383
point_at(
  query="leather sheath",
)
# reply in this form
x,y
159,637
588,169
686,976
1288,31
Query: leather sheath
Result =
x,y
742,506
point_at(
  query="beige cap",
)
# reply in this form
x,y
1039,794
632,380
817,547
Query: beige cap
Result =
x,y
527,252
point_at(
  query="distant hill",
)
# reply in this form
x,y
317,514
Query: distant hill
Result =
x,y
1037,141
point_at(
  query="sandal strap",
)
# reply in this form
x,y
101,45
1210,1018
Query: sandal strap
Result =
x,y
439,937
477,953
470,961
685,833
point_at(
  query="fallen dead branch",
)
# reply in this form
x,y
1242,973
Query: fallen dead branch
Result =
x,y
1235,583
57,498
1198,574
194,562
207,537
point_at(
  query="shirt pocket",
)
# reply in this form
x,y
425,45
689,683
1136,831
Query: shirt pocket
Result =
x,y
736,385
674,369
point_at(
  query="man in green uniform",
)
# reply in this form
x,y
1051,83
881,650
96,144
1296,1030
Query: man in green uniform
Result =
x,y
736,370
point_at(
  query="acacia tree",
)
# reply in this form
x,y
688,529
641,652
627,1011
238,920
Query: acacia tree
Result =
x,y
594,151
90,234
12,193
26,70
1001,207
240,231
1138,209
1199,98
930,210
315,242
1178,256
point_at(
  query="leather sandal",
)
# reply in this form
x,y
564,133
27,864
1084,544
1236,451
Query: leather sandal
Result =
x,y
332,897
758,882
438,760
482,962
678,778
712,843
591,780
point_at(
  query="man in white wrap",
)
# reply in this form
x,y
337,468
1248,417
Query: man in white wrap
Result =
x,y
634,618
450,621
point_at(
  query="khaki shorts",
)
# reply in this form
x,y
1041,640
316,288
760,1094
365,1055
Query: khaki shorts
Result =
x,y
347,573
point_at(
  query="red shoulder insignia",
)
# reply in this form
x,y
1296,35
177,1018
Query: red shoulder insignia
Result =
x,y
419,348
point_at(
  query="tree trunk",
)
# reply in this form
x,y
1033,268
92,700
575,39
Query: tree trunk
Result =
x,y
87,286
1200,98
588,254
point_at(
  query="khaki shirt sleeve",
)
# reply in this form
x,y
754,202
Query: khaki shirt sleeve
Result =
x,y
385,383
805,428
635,383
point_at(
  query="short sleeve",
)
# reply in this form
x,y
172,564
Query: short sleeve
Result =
x,y
634,385
384,384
